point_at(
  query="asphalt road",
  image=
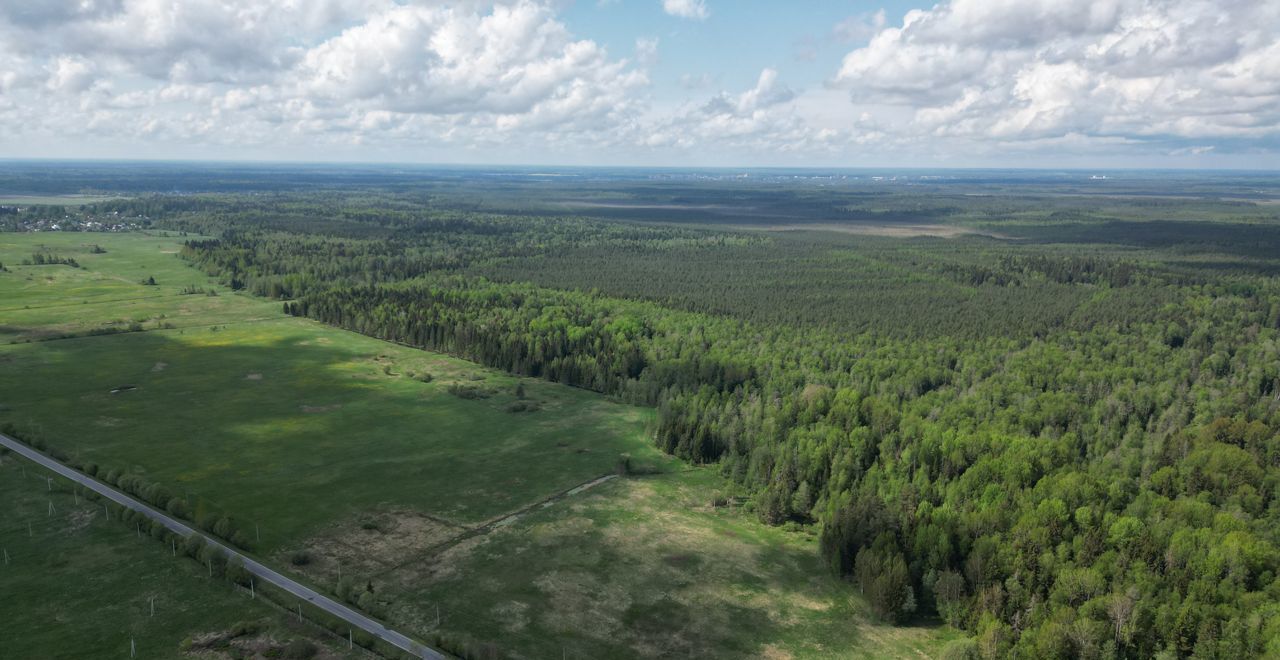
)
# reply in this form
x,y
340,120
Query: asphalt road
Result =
x,y
356,619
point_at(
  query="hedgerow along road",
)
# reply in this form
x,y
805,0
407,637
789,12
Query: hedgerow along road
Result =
x,y
302,592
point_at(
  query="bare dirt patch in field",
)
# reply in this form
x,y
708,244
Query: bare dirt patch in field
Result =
x,y
227,644
447,563
159,366
513,615
80,518
772,652
370,543
253,377
582,602
442,560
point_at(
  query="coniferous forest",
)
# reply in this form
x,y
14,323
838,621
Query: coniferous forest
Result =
x,y
1051,420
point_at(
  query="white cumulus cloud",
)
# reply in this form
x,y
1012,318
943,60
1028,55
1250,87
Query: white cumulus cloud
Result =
x,y
350,71
1033,69
510,80
695,9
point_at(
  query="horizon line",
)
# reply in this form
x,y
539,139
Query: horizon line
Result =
x,y
500,165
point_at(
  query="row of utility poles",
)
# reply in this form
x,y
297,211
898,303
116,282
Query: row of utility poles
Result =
x,y
51,511
151,600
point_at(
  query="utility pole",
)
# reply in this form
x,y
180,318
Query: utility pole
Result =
x,y
252,595
299,611
6,556
133,650
351,640
153,606
173,545
49,482
50,508
256,534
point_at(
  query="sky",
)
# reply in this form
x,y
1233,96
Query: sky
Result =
x,y
728,83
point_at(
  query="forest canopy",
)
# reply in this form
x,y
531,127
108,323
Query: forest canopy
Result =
x,y
1055,429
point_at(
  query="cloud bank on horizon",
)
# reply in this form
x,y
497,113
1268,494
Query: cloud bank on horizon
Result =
x,y
989,82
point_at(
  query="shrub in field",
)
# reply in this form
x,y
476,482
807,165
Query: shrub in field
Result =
x,y
299,649
193,545
468,391
237,573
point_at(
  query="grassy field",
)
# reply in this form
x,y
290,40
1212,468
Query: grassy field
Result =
x,y
358,455
647,567
253,412
79,586
41,302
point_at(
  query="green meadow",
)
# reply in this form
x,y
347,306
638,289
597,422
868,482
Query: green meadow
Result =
x,y
78,585
284,423
49,301
432,480
649,566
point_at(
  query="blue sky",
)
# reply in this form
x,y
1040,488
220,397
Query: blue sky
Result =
x,y
956,83
732,45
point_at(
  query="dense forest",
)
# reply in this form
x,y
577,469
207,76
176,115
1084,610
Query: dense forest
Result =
x,y
1059,433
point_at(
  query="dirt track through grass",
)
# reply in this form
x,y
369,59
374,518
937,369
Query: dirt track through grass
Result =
x,y
304,432
496,523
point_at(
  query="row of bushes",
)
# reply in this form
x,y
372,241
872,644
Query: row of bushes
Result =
x,y
152,493
194,546
220,565
344,630
217,562
231,568
50,259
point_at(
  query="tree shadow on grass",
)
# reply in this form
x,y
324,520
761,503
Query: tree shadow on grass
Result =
x,y
292,428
